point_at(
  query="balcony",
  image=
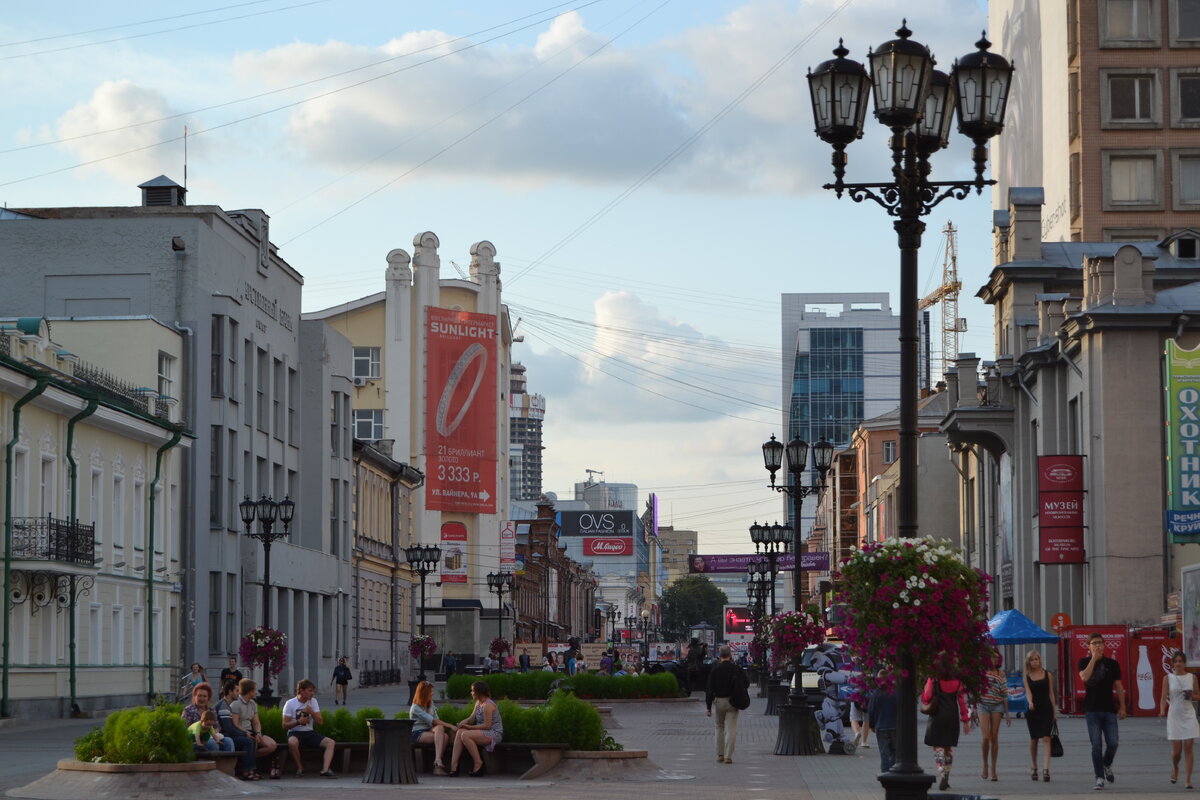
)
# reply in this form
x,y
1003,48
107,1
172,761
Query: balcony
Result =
x,y
68,546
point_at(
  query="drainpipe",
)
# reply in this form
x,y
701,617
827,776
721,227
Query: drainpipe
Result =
x,y
38,388
158,456
72,517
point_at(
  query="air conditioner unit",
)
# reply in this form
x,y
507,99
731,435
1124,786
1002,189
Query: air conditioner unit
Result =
x,y
359,381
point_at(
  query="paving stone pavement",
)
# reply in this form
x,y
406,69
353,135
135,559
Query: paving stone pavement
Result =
x,y
680,741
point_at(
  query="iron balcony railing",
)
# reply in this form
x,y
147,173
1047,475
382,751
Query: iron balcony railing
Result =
x,y
50,539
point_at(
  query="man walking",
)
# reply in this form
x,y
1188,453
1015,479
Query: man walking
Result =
x,y
341,681
722,680
881,716
1101,676
524,660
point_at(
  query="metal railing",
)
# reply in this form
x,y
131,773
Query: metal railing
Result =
x,y
50,539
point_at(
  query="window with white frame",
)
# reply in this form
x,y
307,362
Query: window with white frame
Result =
x,y
97,506
139,515
95,634
366,362
889,451
46,488
1129,23
1132,179
138,636
1184,16
118,635
20,482
1130,99
118,511
166,375
1185,97
368,424
1185,178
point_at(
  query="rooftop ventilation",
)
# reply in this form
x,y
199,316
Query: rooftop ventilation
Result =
x,y
162,191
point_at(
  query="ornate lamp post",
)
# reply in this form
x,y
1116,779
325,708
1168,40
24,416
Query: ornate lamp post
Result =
x,y
771,541
797,456
267,511
644,626
423,558
614,617
500,582
914,101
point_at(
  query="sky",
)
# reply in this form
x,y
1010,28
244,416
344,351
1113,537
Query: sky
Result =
x,y
645,168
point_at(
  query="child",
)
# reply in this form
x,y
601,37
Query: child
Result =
x,y
206,733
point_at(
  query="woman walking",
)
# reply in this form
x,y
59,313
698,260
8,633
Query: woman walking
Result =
x,y
992,707
946,703
1177,692
1042,710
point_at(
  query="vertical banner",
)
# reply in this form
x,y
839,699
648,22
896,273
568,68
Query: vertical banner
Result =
x,y
454,552
1060,510
1182,396
508,547
460,411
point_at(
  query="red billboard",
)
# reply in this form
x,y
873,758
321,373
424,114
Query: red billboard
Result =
x,y
607,546
460,411
1060,510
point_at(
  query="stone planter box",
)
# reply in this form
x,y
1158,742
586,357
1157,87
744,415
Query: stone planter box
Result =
x,y
74,779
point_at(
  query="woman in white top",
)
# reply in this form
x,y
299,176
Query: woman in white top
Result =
x,y
427,728
1177,692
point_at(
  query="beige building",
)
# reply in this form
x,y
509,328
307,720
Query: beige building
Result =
x,y
677,545
393,333
1080,331
92,501
1103,113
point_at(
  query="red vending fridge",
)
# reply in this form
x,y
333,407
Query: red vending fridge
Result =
x,y
1073,647
1149,662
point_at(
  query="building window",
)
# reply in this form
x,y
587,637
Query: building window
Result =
x,y
231,482
1185,23
1074,190
1134,234
216,368
1130,98
118,511
214,612
231,627
97,504
1132,179
1185,178
1073,105
95,634
248,383
46,489
166,375
1129,23
263,389
118,635
368,424
277,400
139,515
293,391
1185,97
215,520
889,451
233,360
366,362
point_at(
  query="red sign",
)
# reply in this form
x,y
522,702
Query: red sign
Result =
x,y
1060,509
1060,545
1060,621
1116,646
607,546
454,552
460,411
1060,473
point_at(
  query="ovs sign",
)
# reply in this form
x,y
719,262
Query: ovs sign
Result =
x,y
607,546
596,523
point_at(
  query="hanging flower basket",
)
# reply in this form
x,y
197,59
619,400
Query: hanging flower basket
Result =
x,y
421,646
499,645
264,647
791,633
917,598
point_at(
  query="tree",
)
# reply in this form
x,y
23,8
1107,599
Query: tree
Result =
x,y
689,601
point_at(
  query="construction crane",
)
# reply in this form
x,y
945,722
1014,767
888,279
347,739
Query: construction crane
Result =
x,y
947,295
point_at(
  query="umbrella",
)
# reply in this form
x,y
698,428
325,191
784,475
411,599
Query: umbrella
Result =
x,y
1013,627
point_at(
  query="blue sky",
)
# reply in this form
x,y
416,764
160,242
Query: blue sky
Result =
x,y
646,170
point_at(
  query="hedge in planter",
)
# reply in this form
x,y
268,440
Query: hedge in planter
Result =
x,y
340,724
138,736
592,686
563,718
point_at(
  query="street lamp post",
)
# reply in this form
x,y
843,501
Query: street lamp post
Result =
x,y
266,511
797,457
914,101
614,617
644,625
500,582
423,559
771,541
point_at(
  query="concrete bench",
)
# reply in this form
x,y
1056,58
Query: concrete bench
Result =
x,y
353,757
226,762
528,760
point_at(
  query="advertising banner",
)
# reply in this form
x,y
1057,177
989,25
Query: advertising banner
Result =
x,y
508,547
710,562
1182,397
596,523
454,552
1074,643
1060,509
1190,610
738,619
1150,661
607,545
460,411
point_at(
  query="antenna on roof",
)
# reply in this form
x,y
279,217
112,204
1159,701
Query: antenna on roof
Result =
x,y
185,158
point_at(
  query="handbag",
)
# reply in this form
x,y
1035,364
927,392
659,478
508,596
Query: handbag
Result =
x,y
740,698
1056,748
931,707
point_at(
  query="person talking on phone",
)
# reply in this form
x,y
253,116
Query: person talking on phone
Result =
x,y
1101,677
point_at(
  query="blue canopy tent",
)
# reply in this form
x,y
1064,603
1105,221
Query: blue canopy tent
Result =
x,y
1013,627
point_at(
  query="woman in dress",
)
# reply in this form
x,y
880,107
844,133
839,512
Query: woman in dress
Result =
x,y
1177,692
947,705
1041,712
427,728
484,730
992,707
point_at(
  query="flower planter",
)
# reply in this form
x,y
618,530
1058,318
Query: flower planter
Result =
x,y
135,781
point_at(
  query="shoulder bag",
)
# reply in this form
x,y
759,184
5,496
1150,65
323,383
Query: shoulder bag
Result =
x,y
740,697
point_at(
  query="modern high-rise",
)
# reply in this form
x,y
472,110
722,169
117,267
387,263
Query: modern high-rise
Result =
x,y
841,365
1103,113
526,414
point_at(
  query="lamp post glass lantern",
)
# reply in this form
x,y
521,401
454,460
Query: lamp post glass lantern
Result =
x,y
500,582
916,107
266,511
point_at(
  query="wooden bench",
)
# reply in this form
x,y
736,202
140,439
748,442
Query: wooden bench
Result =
x,y
528,760
353,754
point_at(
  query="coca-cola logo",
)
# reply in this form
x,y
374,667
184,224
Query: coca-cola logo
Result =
x,y
608,546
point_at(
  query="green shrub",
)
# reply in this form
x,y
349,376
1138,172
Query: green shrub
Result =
x,y
592,686
138,736
272,724
574,721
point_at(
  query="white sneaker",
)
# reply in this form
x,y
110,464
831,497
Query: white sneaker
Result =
x,y
1099,784
865,746
857,738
